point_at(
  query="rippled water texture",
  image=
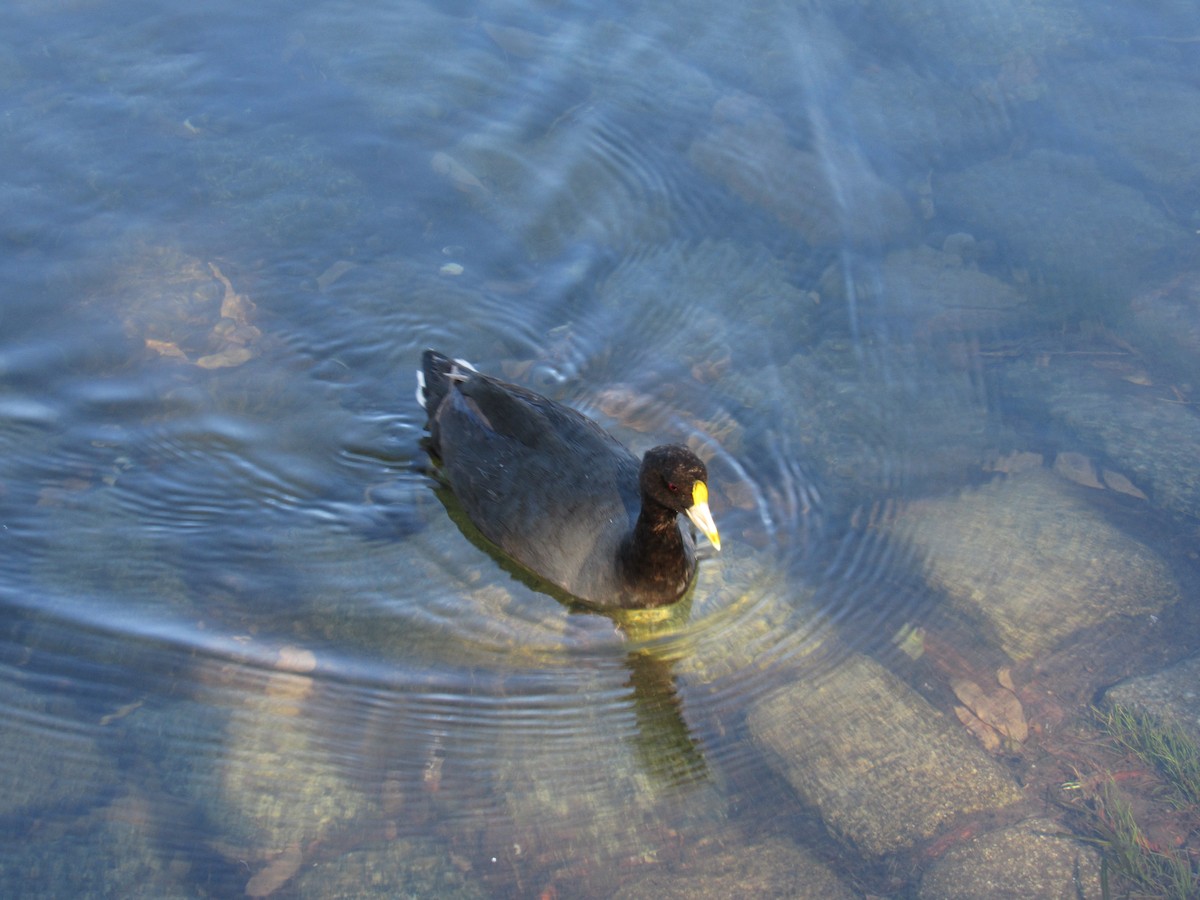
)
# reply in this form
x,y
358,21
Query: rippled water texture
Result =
x,y
917,281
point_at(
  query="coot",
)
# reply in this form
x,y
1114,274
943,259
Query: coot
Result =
x,y
560,495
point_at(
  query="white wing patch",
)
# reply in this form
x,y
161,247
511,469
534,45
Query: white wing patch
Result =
x,y
460,371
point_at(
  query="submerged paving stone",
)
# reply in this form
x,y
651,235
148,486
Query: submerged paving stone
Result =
x,y
1030,558
546,175
278,187
401,868
774,868
898,111
47,761
932,292
885,770
659,295
1030,859
1148,435
1089,241
114,858
285,775
1165,322
941,32
1172,694
717,40
586,792
872,423
747,149
102,552
584,199
749,623
1138,112
607,788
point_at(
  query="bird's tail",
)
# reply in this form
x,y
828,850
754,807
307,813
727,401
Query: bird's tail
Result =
x,y
435,376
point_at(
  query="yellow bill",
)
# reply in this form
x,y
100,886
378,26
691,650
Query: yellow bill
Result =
x,y
701,516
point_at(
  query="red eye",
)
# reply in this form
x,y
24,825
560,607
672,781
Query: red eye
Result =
x,y
672,487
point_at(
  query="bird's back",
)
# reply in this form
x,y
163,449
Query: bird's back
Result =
x,y
546,484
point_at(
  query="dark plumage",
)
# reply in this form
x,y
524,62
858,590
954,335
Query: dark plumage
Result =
x,y
560,495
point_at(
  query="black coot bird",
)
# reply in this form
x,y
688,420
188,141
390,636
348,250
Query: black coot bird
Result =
x,y
560,495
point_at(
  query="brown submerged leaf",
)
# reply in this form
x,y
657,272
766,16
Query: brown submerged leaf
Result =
x,y
515,41
234,305
121,713
334,272
984,732
296,659
231,356
166,349
277,873
1122,485
998,708
1004,676
1017,461
460,176
1077,468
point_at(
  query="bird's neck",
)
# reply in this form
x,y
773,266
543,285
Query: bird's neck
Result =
x,y
655,560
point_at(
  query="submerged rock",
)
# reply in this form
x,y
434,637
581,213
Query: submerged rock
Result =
x,y
931,292
1138,113
773,868
828,198
181,308
592,156
1165,322
49,762
926,120
1140,429
1089,242
941,32
874,419
383,57
1169,694
606,785
1030,859
747,618
400,868
1032,560
112,857
885,770
287,772
270,185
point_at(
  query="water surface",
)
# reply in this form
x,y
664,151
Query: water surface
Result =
x,y
248,644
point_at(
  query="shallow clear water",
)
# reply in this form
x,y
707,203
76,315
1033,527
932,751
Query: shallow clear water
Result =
x,y
245,637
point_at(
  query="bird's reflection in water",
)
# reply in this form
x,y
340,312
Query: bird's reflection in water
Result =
x,y
665,745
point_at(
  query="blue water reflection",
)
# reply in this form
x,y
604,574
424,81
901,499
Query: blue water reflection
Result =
x,y
882,266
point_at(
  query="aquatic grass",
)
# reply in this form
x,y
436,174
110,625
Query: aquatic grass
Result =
x,y
1162,873
1162,745
1172,760
1126,850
